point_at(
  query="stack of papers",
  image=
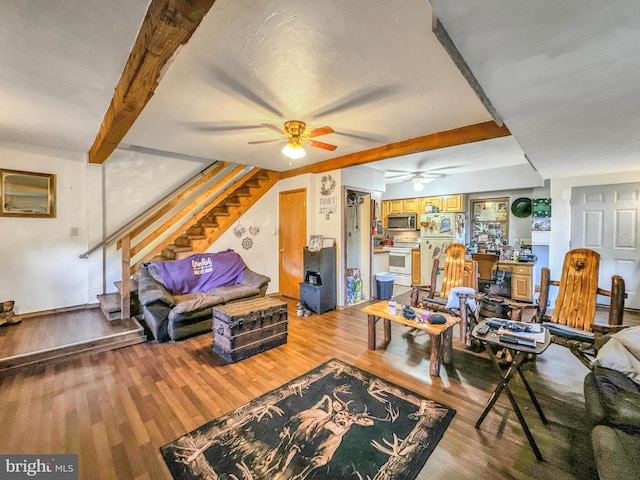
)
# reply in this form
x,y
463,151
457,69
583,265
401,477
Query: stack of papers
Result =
x,y
534,332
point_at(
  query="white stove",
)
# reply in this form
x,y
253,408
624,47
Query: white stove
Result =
x,y
400,257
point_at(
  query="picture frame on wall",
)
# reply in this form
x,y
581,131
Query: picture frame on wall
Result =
x,y
328,242
315,243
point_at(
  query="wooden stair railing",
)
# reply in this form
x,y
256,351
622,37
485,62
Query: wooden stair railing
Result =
x,y
208,224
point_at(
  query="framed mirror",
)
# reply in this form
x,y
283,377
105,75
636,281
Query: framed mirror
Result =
x,y
27,194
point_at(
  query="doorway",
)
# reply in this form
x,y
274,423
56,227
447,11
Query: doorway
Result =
x,y
292,227
604,218
357,241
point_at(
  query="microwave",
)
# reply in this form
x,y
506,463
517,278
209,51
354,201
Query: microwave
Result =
x,y
402,221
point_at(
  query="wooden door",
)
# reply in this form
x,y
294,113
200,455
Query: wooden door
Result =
x,y
604,218
292,238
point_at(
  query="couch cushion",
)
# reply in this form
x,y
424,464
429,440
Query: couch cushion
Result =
x,y
150,290
616,453
234,292
619,400
195,301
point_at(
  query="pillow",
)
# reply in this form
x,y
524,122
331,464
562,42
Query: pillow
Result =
x,y
616,356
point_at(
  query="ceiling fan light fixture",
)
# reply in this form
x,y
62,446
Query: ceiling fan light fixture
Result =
x,y
293,150
417,186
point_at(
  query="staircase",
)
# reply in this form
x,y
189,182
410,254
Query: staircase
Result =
x,y
193,229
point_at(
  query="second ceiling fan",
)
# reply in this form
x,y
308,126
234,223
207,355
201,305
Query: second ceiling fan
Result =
x,y
298,134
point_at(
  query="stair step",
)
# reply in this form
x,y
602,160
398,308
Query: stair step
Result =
x,y
110,306
243,192
179,248
253,183
221,212
197,237
183,241
55,355
195,230
134,285
209,224
232,202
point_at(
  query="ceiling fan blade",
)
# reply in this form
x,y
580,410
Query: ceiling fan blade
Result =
x,y
325,146
397,176
274,128
275,140
320,131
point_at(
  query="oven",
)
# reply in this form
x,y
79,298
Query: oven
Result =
x,y
400,258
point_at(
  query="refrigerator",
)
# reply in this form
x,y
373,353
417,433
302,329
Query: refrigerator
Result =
x,y
437,232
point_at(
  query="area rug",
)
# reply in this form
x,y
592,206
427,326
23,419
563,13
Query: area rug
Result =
x,y
334,422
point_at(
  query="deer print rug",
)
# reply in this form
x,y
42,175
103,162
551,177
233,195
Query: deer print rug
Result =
x,y
336,421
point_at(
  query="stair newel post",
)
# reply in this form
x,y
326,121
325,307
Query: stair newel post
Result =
x,y
125,294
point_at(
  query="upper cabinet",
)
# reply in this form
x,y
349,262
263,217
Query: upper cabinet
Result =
x,y
443,203
452,203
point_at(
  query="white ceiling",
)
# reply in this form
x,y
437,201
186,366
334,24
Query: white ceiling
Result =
x,y
564,77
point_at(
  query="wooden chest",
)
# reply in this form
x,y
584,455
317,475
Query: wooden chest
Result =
x,y
245,328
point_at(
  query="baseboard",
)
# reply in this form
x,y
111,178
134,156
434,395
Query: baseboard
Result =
x,y
73,308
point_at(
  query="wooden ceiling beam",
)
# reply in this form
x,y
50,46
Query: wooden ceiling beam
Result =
x,y
167,25
434,141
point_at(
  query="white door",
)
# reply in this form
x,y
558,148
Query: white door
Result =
x,y
604,218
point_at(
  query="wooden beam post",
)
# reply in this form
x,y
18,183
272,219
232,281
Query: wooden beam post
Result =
x,y
167,25
125,292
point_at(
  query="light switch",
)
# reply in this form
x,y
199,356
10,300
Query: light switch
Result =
x,y
75,231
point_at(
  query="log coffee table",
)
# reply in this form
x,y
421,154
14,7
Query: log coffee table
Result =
x,y
441,335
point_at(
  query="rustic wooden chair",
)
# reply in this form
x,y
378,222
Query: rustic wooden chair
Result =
x,y
456,272
571,323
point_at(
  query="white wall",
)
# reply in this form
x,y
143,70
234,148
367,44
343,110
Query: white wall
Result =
x,y
40,268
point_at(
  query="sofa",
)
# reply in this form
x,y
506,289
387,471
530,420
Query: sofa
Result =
x,y
612,399
178,297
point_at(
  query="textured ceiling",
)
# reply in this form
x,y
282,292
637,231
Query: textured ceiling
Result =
x,y
564,77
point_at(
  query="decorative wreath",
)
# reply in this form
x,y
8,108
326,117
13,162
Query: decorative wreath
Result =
x,y
327,185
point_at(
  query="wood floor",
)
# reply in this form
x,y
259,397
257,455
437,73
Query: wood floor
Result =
x,y
117,408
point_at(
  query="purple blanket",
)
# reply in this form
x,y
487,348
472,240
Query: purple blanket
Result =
x,y
201,272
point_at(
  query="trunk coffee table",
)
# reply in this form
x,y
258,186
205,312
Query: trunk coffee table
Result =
x,y
441,335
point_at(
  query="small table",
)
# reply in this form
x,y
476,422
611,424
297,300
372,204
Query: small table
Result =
x,y
518,354
441,335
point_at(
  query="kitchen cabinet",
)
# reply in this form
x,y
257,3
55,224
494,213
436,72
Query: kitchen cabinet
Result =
x,y
452,203
433,201
416,271
521,279
444,203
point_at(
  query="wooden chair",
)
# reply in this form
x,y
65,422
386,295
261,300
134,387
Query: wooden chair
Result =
x,y
571,323
456,272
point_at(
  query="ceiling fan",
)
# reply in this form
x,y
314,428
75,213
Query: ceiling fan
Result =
x,y
418,179
298,134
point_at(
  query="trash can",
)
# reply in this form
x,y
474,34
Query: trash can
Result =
x,y
384,285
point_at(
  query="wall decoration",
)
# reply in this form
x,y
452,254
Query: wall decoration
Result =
x,y
521,207
247,243
541,207
328,205
254,230
238,230
541,224
315,243
328,242
327,185
27,194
